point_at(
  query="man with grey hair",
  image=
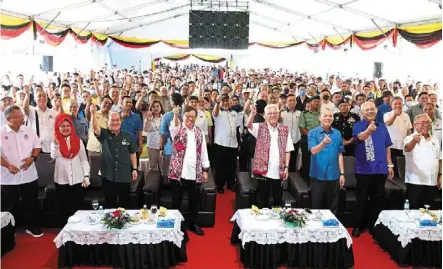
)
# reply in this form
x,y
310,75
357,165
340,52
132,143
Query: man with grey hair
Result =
x,y
272,154
327,169
372,165
399,126
423,163
19,147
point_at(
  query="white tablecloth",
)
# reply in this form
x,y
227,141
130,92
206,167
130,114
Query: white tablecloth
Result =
x,y
85,234
407,227
7,218
274,232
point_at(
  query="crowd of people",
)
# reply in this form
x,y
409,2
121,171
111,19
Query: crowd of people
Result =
x,y
189,119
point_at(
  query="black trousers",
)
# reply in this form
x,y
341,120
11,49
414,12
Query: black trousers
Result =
x,y
112,189
265,186
324,194
372,186
71,199
193,190
306,157
28,192
349,150
293,160
394,154
420,195
225,165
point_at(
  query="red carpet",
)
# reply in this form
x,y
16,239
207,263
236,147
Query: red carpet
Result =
x,y
210,251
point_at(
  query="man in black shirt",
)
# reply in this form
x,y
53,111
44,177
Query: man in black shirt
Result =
x,y
344,121
119,161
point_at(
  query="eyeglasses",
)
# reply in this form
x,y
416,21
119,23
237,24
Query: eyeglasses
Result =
x,y
423,123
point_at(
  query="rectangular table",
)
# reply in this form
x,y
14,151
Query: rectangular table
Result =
x,y
268,244
399,234
134,246
7,232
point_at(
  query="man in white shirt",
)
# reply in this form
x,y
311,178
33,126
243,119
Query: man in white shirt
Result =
x,y
423,164
399,126
41,119
325,103
189,164
360,98
272,155
290,117
19,147
227,123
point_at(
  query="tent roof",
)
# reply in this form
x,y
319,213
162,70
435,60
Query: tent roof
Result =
x,y
276,20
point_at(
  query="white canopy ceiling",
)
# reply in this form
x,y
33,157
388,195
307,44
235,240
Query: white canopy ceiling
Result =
x,y
270,20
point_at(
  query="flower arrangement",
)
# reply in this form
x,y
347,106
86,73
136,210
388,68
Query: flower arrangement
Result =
x,y
116,219
293,218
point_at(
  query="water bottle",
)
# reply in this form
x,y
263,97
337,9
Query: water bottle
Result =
x,y
101,211
406,205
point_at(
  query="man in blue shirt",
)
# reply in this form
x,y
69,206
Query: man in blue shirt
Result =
x,y
165,135
132,123
372,165
327,170
385,107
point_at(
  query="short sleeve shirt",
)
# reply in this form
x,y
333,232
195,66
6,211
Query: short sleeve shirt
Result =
x,y
116,151
309,120
376,146
324,165
133,124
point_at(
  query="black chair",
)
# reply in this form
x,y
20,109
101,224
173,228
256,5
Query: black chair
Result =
x,y
246,194
157,192
400,182
47,199
347,201
95,190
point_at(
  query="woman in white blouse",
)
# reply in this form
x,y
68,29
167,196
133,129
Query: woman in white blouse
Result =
x,y
152,127
71,173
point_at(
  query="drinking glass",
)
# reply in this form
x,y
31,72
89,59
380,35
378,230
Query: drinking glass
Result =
x,y
154,209
287,205
427,207
95,204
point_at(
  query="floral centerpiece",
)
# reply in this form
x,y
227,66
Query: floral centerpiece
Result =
x,y
293,218
116,219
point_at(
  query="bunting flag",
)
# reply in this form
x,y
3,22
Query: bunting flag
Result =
x,y
423,36
335,42
277,45
12,27
136,43
209,58
370,40
178,57
53,39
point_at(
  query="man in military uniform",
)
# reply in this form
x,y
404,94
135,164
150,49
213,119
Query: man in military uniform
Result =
x,y
344,121
309,119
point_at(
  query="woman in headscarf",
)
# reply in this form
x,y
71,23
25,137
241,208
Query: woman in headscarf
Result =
x,y
71,172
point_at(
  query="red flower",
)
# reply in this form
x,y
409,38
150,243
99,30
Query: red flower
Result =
x,y
199,149
180,147
292,211
117,213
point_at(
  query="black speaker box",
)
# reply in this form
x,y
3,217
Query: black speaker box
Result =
x,y
378,70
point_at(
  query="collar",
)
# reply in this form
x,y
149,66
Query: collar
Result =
x,y
323,131
273,128
9,130
227,110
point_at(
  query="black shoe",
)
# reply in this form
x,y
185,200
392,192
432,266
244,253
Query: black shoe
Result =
x,y
356,232
35,232
220,190
232,188
196,229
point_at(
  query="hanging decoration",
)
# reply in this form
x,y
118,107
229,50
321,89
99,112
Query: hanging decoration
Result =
x,y
423,36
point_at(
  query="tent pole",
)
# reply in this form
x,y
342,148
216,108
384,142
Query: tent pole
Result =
x,y
373,21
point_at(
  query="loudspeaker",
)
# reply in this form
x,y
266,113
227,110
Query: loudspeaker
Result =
x,y
47,62
378,70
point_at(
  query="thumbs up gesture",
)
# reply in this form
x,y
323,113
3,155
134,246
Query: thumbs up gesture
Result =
x,y
326,140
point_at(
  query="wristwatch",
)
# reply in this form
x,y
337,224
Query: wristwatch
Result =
x,y
286,166
134,169
390,166
342,174
205,169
